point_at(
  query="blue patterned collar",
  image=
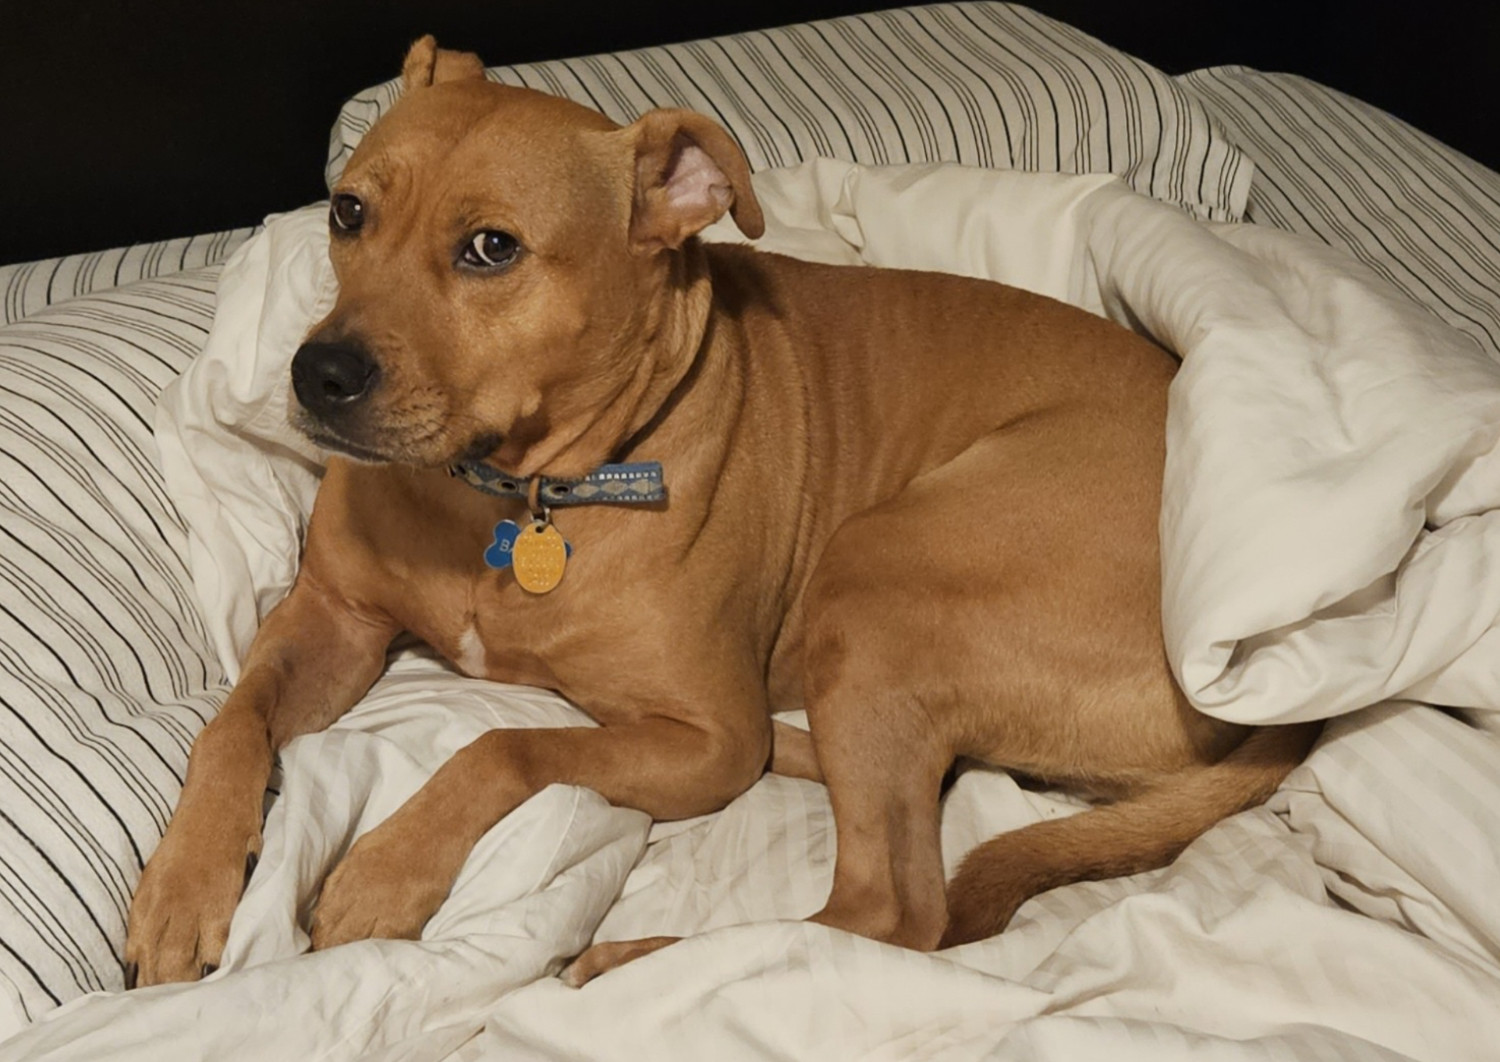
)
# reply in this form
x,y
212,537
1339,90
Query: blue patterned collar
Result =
x,y
637,483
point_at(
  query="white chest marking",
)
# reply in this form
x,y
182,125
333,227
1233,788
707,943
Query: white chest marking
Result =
x,y
470,656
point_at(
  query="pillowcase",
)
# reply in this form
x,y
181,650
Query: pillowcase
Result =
x,y
984,84
27,287
106,670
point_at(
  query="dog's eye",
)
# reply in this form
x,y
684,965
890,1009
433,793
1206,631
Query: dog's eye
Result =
x,y
346,213
491,248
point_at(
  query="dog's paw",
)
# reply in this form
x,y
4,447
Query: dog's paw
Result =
x,y
179,919
387,887
602,958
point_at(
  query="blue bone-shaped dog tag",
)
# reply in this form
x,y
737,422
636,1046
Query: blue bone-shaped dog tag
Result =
x,y
497,556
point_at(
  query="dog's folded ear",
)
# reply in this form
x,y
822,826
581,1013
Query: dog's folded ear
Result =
x,y
688,172
427,64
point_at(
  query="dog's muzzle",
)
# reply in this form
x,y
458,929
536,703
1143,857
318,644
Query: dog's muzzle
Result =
x,y
332,379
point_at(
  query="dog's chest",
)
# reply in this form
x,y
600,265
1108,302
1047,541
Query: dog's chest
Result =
x,y
651,602
608,612
470,655
487,628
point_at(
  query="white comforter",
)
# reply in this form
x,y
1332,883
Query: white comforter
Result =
x,y
1330,497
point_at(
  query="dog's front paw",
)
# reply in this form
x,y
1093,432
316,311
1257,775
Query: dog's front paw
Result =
x,y
388,886
179,919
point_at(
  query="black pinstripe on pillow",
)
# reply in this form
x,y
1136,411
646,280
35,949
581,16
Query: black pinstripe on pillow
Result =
x,y
105,671
987,84
1419,213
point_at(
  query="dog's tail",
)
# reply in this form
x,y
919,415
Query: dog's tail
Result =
x,y
1139,833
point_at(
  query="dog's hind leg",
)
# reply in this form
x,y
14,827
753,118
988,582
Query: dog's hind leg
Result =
x,y
314,656
882,756
884,786
1004,607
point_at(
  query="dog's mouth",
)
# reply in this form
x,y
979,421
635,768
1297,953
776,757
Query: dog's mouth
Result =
x,y
328,441
420,452
325,436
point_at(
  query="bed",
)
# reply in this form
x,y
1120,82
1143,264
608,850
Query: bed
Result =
x,y
1326,537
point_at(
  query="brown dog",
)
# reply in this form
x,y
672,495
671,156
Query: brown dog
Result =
x,y
922,507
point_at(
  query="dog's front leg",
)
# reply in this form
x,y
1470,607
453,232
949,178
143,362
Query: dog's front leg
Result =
x,y
314,656
396,876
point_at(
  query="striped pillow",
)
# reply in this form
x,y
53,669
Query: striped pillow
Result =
x,y
106,674
29,286
987,84
1333,167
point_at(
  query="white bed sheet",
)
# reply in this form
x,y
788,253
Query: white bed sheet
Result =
x,y
1350,918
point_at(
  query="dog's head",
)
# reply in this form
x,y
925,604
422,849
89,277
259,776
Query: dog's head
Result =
x,y
514,272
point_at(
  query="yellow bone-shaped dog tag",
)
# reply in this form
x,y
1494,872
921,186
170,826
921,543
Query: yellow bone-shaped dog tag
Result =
x,y
539,556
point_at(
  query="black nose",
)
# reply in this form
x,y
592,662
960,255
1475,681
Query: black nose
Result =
x,y
332,377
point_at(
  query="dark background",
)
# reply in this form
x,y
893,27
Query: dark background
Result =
x,y
131,120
